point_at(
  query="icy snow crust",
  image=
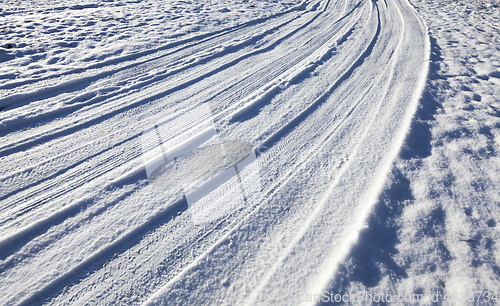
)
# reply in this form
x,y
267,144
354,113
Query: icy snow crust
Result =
x,y
334,195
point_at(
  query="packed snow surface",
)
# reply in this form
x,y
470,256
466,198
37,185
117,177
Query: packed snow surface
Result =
x,y
272,152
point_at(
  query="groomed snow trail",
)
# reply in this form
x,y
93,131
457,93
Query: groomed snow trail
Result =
x,y
324,91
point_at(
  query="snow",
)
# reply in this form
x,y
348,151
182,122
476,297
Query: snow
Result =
x,y
271,152
58,36
433,231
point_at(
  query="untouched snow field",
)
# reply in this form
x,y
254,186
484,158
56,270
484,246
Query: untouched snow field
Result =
x,y
260,152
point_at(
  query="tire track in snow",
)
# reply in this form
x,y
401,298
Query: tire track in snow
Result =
x,y
85,92
280,132
46,187
152,93
89,175
268,143
95,100
30,168
162,296
128,61
299,167
277,140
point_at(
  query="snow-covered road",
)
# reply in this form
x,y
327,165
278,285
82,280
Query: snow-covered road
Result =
x,y
324,91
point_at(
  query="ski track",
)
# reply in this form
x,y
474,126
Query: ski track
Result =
x,y
324,88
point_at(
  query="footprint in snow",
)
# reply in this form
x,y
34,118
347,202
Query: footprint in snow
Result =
x,y
476,97
494,74
483,77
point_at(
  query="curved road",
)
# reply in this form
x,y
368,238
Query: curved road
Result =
x,y
324,93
